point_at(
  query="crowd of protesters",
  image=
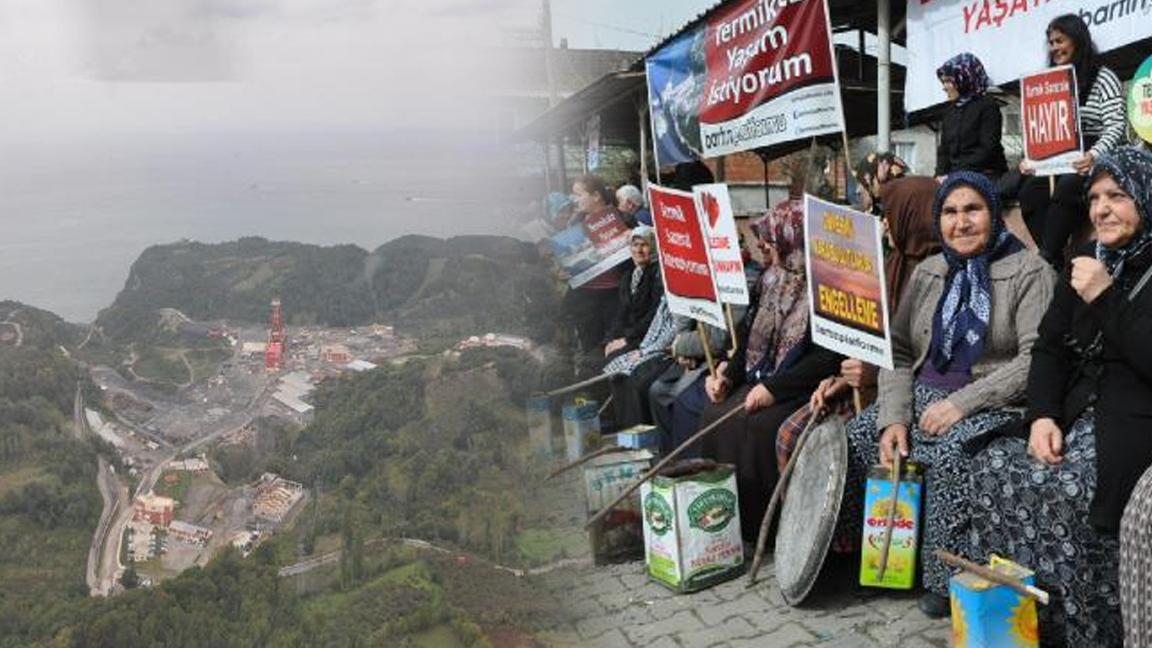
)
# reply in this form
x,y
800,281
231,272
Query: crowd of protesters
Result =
x,y
1022,379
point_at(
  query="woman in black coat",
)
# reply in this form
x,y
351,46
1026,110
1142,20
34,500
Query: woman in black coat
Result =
x,y
1054,505
639,296
970,129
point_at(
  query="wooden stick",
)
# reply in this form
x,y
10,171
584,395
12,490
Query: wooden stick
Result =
x,y
585,459
992,575
777,495
607,402
894,480
732,331
857,401
664,462
1051,185
707,348
580,385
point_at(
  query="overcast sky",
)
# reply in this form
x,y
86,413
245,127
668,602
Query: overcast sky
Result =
x,y
628,25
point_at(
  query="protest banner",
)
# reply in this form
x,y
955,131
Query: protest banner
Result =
x,y
940,29
754,74
689,283
588,249
1050,120
715,208
1140,101
847,299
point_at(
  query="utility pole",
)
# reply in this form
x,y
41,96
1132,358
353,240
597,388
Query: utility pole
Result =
x,y
550,76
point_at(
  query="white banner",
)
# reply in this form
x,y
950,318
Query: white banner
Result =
x,y
1006,35
715,208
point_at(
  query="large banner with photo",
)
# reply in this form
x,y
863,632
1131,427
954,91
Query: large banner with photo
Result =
x,y
941,29
686,265
847,300
754,74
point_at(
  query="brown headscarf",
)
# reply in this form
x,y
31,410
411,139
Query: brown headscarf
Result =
x,y
907,204
881,167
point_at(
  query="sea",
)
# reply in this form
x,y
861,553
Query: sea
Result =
x,y
75,213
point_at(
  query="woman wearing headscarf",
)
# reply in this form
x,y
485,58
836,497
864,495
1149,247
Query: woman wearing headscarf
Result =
x,y
904,203
1053,216
638,294
961,343
636,370
1054,503
772,372
970,129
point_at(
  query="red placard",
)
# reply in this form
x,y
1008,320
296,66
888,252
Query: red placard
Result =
x,y
1050,114
683,251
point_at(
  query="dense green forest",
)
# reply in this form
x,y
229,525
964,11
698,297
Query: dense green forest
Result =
x,y
48,498
461,285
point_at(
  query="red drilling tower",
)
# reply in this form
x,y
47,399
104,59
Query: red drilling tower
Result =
x,y
274,354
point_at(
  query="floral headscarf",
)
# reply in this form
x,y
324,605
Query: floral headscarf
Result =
x,y
1131,168
880,167
965,307
967,74
781,321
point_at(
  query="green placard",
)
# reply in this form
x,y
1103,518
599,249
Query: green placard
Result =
x,y
1140,101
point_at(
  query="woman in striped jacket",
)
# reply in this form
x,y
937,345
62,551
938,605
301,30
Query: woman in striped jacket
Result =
x,y
1054,216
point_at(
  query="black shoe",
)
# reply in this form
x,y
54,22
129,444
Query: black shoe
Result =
x,y
935,606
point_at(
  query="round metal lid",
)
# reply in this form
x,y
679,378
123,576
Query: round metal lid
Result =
x,y
811,505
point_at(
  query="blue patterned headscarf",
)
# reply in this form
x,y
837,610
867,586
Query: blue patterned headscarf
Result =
x,y
1131,168
965,307
967,74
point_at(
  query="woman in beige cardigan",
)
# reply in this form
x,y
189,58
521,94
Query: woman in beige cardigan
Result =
x,y
961,343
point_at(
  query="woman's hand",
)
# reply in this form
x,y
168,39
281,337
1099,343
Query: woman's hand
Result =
x,y
758,398
825,391
858,373
939,416
716,386
1046,442
1026,168
895,434
614,345
1089,278
1083,164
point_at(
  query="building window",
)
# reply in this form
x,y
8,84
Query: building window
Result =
x,y
905,151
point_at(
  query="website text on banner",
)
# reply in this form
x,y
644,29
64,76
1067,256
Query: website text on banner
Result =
x,y
755,74
689,283
1050,111
1140,101
848,300
940,29
587,250
715,208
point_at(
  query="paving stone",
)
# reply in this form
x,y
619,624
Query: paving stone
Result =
x,y
611,639
681,622
787,635
736,628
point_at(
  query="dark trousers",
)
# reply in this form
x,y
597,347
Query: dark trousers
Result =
x,y
1053,217
590,312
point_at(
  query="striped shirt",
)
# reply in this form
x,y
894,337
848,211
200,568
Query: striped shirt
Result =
x,y
1102,114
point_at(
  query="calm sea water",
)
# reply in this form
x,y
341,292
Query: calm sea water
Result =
x,y
74,215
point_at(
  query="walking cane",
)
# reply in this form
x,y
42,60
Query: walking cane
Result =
x,y
886,546
778,494
992,575
581,385
585,459
664,462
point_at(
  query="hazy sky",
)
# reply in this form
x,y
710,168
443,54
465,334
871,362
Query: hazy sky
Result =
x,y
628,25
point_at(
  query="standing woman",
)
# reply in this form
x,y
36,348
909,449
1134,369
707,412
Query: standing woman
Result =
x,y
961,344
1054,505
1052,219
970,130
772,373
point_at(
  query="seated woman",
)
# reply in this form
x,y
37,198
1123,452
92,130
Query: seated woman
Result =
x,y
639,294
774,369
970,129
1089,401
636,370
905,205
961,343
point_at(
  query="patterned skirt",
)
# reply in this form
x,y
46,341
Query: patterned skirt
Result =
x,y
946,466
1136,564
1037,515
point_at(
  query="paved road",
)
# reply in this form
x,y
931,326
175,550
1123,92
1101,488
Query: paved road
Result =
x,y
619,607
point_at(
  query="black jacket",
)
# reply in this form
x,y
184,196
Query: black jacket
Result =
x,y
635,311
1069,373
970,139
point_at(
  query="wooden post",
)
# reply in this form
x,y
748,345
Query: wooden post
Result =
x,y
664,462
886,546
777,495
707,348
